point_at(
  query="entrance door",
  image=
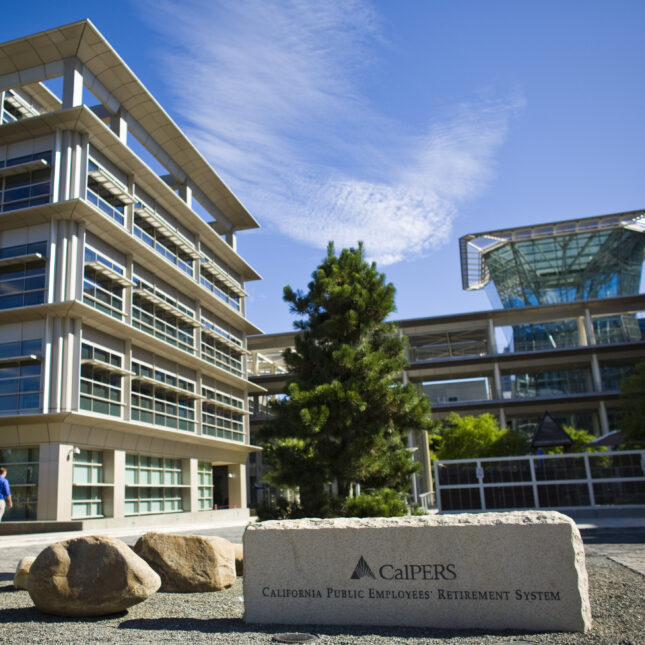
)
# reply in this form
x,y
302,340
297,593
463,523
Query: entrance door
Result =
x,y
220,486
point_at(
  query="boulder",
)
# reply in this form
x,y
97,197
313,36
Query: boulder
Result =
x,y
89,576
239,559
188,563
22,572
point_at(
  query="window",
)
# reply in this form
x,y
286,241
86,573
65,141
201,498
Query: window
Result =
x,y
22,284
28,188
19,348
107,193
20,387
153,485
218,353
101,381
24,249
211,282
163,317
22,467
87,500
218,419
205,485
162,398
102,287
154,232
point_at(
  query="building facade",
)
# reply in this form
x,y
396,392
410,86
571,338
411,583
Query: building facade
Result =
x,y
568,326
123,360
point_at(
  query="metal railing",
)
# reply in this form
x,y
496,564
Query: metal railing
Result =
x,y
580,480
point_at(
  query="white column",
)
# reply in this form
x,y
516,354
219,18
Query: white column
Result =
x,y
497,374
492,340
55,472
56,163
118,479
602,415
119,126
596,374
186,193
591,335
72,83
237,485
231,239
191,477
582,331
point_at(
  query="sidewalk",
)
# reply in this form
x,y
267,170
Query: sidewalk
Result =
x,y
132,532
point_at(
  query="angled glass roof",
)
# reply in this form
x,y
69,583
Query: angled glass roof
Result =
x,y
597,257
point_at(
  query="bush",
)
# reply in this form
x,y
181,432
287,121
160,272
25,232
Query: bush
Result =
x,y
383,502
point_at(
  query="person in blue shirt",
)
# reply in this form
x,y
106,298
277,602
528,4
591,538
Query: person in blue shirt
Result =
x,y
5,491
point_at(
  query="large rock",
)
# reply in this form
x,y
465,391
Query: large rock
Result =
x,y
520,570
188,563
22,572
89,576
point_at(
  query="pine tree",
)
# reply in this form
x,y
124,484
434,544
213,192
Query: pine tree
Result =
x,y
346,415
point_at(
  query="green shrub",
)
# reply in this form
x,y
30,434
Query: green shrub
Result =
x,y
383,502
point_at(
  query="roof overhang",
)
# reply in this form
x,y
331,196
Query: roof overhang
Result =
x,y
35,58
474,246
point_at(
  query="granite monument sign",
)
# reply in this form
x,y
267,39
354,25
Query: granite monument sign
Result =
x,y
517,570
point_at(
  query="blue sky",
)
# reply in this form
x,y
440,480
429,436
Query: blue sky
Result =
x,y
405,124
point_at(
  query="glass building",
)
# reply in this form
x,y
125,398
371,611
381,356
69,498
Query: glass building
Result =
x,y
568,324
123,361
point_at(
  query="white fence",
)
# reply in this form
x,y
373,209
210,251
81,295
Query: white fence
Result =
x,y
568,481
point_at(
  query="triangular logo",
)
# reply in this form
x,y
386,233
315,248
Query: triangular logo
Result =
x,y
362,569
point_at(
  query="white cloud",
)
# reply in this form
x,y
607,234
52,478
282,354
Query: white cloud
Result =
x,y
270,94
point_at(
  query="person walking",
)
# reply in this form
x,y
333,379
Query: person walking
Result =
x,y
5,492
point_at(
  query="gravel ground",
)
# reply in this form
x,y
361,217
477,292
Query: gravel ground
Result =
x,y
617,602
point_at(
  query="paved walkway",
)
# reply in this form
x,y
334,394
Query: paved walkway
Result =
x,y
621,539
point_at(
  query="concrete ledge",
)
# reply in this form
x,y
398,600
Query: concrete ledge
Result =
x,y
21,528
168,519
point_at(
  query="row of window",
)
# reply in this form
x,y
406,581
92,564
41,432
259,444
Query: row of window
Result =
x,y
25,189
153,484
32,188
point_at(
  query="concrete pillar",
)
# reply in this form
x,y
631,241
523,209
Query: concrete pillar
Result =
x,y
492,340
119,126
56,165
55,473
72,83
237,485
127,291
502,418
582,332
60,275
231,240
129,208
190,476
127,380
595,373
186,193
602,417
52,261
591,334
118,479
497,375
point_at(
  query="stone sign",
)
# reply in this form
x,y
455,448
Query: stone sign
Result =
x,y
519,570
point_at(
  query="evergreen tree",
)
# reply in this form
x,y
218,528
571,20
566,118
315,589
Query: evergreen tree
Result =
x,y
346,415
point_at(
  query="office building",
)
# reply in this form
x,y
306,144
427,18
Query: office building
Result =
x,y
567,327
123,376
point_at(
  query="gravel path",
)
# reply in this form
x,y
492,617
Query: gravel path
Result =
x,y
617,601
